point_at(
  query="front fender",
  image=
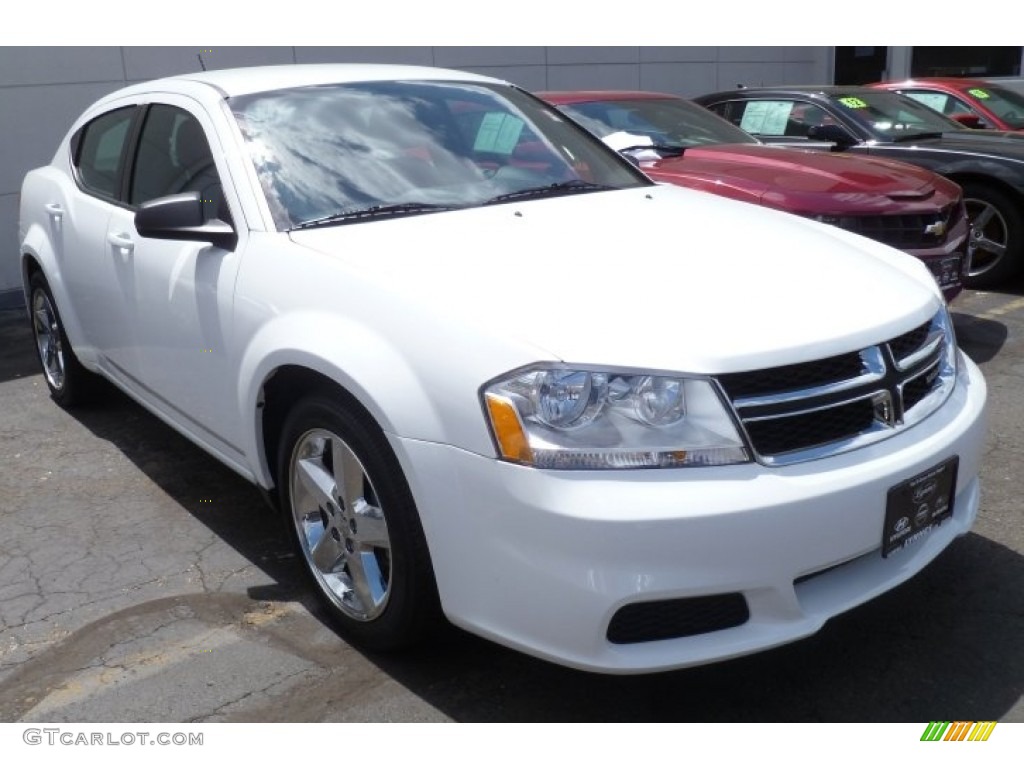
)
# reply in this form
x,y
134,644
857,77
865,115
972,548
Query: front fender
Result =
x,y
360,361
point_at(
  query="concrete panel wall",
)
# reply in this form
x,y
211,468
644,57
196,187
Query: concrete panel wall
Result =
x,y
43,89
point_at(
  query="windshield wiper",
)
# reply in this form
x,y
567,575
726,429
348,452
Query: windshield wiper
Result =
x,y
916,136
374,211
549,190
665,150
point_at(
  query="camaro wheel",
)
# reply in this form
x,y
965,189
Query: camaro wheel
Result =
x,y
65,376
996,239
356,524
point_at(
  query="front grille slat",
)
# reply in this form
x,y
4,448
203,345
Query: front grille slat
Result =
x,y
806,410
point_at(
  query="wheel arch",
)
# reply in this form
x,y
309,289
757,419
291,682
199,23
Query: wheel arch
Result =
x,y
348,361
968,177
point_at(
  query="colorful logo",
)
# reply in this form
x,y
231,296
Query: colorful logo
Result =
x,y
958,731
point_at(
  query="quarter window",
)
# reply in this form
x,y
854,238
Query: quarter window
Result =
x,y
100,155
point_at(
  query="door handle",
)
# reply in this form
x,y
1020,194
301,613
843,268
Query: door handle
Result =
x,y
122,241
54,210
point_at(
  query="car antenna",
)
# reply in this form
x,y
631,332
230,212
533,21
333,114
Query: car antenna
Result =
x,y
201,62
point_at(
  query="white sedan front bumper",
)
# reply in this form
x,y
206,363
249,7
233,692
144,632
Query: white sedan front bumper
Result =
x,y
542,561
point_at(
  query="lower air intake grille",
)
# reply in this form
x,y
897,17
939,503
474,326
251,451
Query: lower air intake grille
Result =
x,y
668,619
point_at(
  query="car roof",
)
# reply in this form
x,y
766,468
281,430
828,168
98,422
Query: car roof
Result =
x,y
246,80
825,91
580,97
951,82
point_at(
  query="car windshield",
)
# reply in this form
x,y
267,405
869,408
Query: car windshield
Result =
x,y
663,123
351,152
892,116
1009,105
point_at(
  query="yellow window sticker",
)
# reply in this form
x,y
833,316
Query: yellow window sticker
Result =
x,y
852,102
499,132
978,93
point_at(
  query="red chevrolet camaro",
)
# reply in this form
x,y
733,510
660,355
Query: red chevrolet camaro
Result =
x,y
678,142
974,103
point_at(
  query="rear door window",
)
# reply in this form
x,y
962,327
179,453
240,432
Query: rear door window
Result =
x,y
99,159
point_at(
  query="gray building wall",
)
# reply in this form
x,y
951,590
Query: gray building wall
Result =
x,y
43,89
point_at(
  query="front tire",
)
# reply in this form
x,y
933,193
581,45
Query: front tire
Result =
x,y
67,379
996,236
355,524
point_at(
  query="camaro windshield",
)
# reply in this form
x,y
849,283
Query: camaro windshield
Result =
x,y
352,152
893,116
662,123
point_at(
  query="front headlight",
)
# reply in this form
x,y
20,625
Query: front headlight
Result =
x,y
578,418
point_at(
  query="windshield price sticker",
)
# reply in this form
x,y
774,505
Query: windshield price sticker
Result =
x,y
766,117
852,102
499,133
978,93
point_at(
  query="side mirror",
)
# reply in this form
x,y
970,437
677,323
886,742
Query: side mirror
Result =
x,y
180,217
968,120
832,133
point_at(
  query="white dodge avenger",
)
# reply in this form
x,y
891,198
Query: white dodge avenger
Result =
x,y
491,372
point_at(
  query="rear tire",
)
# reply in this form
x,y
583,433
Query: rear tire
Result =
x,y
355,524
996,236
70,384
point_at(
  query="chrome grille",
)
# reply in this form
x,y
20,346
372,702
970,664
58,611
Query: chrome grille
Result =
x,y
809,410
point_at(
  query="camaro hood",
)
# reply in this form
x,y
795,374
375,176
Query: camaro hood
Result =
x,y
801,181
656,277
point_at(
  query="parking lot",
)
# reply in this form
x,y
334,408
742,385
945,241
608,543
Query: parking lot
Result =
x,y
142,581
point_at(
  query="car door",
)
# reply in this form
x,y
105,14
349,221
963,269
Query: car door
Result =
x,y
96,272
182,290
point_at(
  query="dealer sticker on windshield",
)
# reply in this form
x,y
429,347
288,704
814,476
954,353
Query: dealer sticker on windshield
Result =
x,y
918,505
852,102
978,93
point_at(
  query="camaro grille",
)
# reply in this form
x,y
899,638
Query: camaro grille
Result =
x,y
903,231
809,410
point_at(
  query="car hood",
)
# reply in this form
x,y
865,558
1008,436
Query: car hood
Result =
x,y
1005,144
802,181
655,277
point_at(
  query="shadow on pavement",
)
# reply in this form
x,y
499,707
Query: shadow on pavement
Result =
x,y
17,351
980,338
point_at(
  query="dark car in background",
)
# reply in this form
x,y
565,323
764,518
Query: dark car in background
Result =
x,y
971,102
678,142
863,121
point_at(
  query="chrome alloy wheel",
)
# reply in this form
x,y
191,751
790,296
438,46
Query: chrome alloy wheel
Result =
x,y
48,339
989,236
340,525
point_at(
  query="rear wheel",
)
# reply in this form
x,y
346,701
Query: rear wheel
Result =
x,y
996,236
355,524
67,379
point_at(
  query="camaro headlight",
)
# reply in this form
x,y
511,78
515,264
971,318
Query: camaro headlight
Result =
x,y
577,418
